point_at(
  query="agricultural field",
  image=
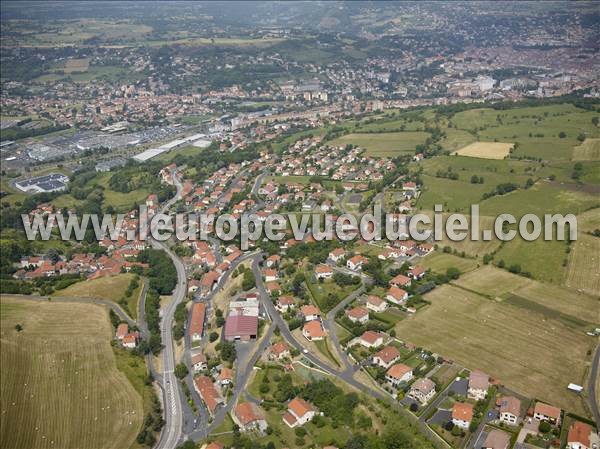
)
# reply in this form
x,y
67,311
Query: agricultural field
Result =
x,y
572,307
510,342
582,270
491,281
76,65
529,255
384,144
439,262
456,139
589,150
486,150
536,129
63,389
110,288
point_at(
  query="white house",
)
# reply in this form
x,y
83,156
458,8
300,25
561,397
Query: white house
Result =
x,y
478,385
398,373
396,295
323,271
510,410
462,414
376,304
299,412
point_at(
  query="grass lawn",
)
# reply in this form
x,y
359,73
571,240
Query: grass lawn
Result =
x,y
323,347
111,288
526,350
320,291
440,262
384,144
64,389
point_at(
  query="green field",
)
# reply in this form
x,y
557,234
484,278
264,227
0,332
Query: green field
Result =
x,y
536,129
439,262
527,350
384,144
63,389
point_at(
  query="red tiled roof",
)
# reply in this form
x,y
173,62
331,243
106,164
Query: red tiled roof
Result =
x,y
462,411
197,320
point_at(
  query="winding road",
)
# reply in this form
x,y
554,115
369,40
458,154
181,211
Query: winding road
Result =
x,y
173,399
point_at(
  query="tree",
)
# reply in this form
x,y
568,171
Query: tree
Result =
x,y
562,134
18,328
228,352
181,370
545,427
213,337
453,273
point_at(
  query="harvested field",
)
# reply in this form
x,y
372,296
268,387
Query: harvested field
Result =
x,y
486,150
523,348
589,150
63,389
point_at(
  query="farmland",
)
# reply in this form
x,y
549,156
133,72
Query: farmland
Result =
x,y
63,389
486,150
589,150
510,342
440,262
111,288
582,269
536,129
384,144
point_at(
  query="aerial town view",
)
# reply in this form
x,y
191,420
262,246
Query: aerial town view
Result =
x,y
300,225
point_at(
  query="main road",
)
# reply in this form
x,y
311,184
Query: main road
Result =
x,y
172,396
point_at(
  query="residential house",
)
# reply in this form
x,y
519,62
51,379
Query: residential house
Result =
x,y
582,436
356,263
249,417
313,331
122,330
399,373
299,412
396,295
371,339
270,275
337,254
386,357
358,315
130,340
376,304
285,303
545,412
279,351
199,362
196,326
462,414
422,390
225,376
310,312
417,272
510,410
400,281
478,385
323,271
208,392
